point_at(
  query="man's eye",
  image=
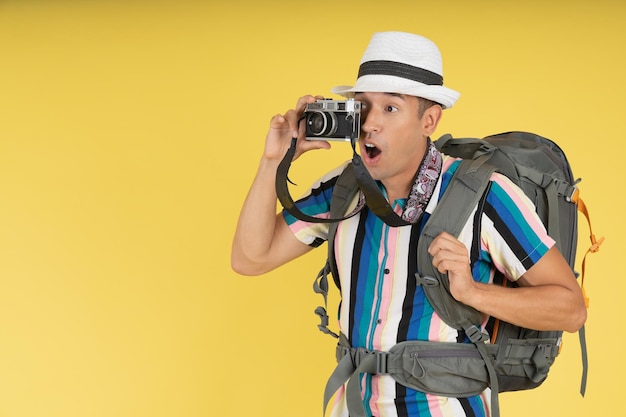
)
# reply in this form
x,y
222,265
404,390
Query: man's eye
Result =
x,y
391,109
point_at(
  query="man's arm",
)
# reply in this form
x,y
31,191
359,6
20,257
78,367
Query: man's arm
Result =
x,y
548,298
262,239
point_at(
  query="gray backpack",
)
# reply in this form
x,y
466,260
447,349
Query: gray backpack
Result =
x,y
517,358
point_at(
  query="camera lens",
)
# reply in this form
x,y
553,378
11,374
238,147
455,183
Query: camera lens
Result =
x,y
321,123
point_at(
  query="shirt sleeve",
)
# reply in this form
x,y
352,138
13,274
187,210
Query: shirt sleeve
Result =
x,y
315,202
512,232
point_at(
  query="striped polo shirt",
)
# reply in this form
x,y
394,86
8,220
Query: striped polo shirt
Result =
x,y
381,303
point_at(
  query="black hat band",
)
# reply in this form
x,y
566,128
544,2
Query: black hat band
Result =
x,y
401,70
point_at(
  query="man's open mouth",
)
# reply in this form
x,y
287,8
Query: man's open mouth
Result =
x,y
372,151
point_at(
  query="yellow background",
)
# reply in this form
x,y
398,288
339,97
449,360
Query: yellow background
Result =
x,y
130,131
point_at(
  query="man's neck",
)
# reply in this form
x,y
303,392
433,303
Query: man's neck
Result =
x,y
398,189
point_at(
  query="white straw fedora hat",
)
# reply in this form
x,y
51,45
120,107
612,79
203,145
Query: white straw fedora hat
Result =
x,y
403,63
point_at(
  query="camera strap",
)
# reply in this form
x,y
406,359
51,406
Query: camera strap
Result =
x,y
282,190
374,198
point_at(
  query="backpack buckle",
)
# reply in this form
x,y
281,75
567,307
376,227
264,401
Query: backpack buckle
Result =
x,y
381,362
572,197
426,280
474,334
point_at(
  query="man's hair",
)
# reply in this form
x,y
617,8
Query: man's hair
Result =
x,y
423,105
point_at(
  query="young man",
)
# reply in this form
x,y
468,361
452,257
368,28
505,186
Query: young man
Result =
x,y
400,86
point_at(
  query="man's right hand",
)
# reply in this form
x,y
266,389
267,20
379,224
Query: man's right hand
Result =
x,y
285,127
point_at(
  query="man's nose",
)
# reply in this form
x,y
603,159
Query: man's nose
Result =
x,y
371,122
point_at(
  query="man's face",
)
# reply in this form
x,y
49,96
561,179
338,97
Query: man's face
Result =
x,y
393,137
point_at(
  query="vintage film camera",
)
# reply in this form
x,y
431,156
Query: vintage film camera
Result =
x,y
333,120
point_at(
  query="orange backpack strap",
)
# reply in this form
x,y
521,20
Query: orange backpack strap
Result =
x,y
595,243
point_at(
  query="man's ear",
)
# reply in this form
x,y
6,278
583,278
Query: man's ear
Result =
x,y
431,118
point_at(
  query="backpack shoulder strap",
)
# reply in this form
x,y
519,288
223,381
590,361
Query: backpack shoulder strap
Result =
x,y
344,191
467,187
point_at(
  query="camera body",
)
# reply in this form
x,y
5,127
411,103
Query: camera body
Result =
x,y
333,120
